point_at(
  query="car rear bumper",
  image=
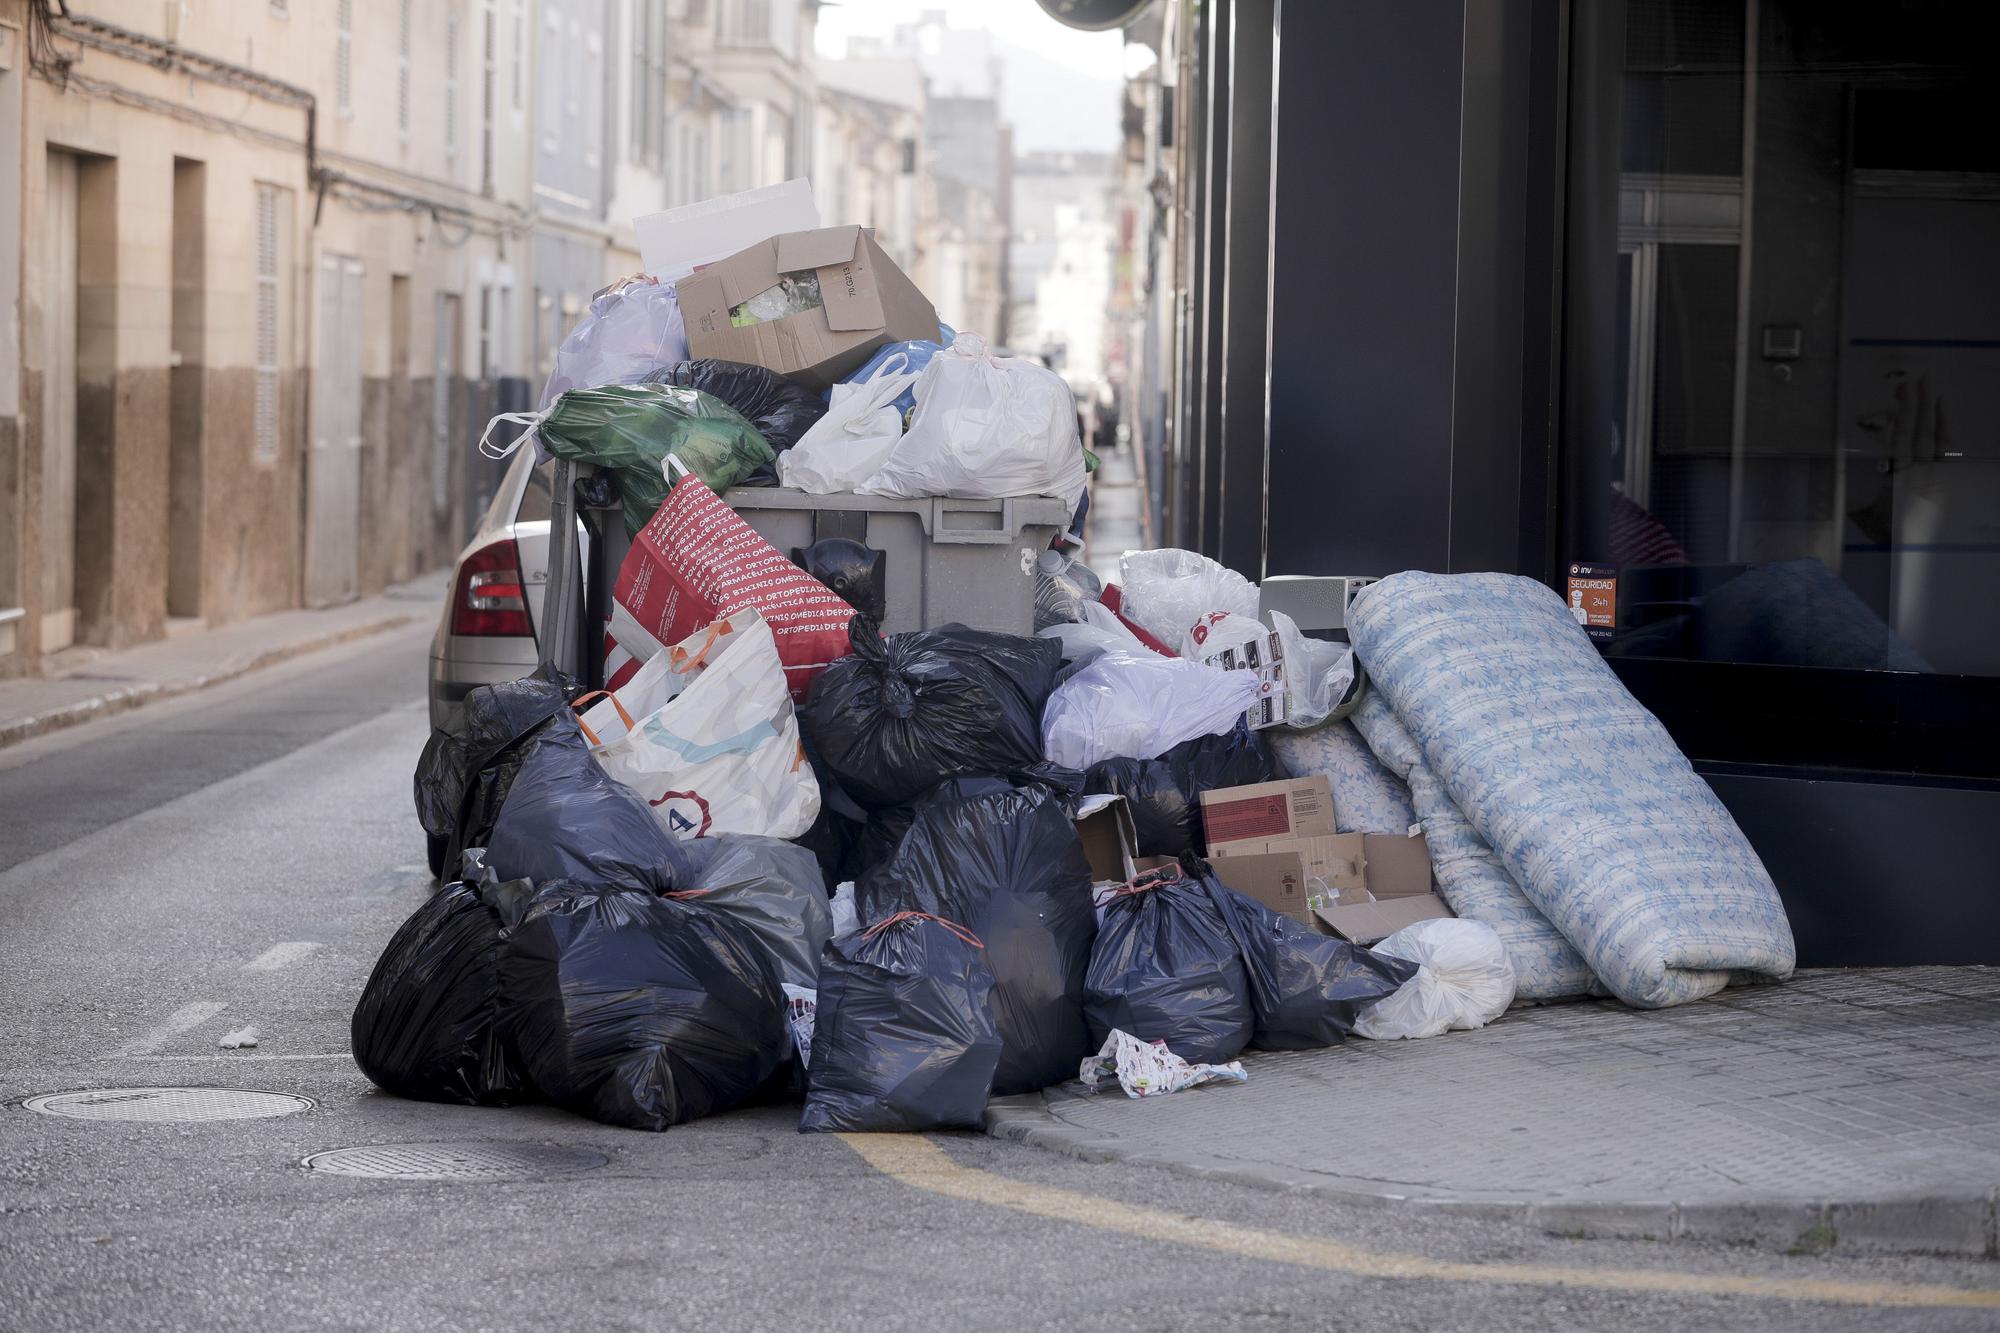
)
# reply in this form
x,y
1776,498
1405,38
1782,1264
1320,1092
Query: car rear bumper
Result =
x,y
468,663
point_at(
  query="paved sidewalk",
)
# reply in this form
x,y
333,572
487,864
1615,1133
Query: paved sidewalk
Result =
x,y
91,685
1851,1108
1112,526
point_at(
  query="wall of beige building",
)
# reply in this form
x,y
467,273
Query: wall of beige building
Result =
x,y
162,426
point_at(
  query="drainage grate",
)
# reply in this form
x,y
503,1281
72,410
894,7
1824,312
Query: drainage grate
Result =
x,y
453,1161
168,1104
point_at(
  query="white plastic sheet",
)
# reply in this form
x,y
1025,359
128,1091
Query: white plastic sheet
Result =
x,y
1317,673
1139,705
1463,981
985,428
1149,1069
1168,590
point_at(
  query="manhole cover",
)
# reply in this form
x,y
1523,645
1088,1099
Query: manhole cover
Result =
x,y
164,1104
453,1161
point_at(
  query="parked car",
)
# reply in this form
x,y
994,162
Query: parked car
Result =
x,y
490,629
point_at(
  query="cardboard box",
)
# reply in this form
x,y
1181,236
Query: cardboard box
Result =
x,y
864,301
675,243
1398,891
1294,808
1275,879
1333,861
1109,839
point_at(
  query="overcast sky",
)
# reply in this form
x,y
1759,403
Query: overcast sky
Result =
x,y
1060,86
1021,22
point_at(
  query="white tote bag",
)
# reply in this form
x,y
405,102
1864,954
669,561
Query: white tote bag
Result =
x,y
861,428
722,754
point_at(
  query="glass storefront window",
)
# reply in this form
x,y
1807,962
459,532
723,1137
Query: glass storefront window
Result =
x,y
1804,447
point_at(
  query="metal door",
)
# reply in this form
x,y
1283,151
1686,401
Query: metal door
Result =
x,y
334,477
58,544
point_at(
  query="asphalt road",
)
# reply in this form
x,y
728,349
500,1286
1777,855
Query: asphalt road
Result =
x,y
150,859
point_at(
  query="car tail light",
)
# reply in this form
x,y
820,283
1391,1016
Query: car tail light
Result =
x,y
491,598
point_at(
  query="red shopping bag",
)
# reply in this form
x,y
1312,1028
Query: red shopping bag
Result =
x,y
697,561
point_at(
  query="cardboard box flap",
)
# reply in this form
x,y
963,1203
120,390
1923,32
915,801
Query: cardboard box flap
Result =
x,y
818,249
1369,922
1398,867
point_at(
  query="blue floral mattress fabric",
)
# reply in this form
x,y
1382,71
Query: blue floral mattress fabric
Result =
x,y
1558,810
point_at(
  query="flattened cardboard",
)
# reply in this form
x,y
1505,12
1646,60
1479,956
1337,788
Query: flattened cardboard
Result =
x,y
1369,922
1275,879
1336,860
865,301
1294,808
1398,867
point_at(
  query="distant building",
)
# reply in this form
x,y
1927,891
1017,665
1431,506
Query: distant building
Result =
x,y
970,160
871,164
1059,262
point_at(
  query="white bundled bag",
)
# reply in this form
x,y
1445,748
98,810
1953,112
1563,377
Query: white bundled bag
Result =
x,y
721,753
632,328
1464,981
1139,705
985,428
1166,592
861,428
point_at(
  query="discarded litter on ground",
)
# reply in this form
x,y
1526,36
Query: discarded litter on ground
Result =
x,y
732,842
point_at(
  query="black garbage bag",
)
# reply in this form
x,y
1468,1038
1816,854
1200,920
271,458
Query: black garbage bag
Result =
x,y
638,1010
1305,988
1166,967
858,574
903,1037
902,714
1007,862
840,820
563,817
462,777
427,1024
773,888
1164,794
780,408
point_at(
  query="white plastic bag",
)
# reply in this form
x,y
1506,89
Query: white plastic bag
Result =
x,y
848,445
985,428
1317,673
1464,981
1168,590
1100,632
846,917
631,328
723,754
1139,705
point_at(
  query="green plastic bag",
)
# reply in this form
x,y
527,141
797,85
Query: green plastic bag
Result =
x,y
631,428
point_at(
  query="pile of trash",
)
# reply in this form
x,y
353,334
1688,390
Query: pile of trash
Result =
x,y
778,855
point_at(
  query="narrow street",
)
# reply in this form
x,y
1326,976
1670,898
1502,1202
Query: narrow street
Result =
x,y
238,856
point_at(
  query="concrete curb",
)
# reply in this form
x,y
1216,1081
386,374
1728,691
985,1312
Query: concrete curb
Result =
x,y
1960,1226
13,731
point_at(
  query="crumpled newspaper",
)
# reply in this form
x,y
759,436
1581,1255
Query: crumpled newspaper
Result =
x,y
1149,1069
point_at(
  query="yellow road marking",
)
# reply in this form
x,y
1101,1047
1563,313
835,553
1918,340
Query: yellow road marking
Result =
x,y
921,1164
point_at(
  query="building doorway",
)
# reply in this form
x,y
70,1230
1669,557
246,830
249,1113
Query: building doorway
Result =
x,y
58,491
